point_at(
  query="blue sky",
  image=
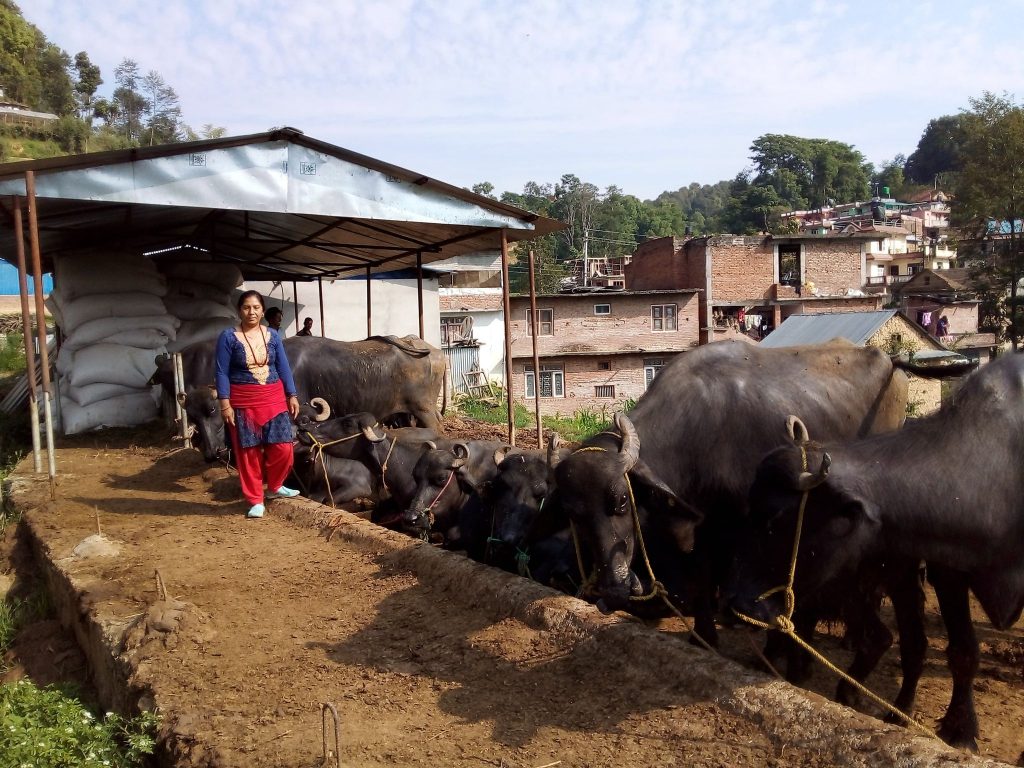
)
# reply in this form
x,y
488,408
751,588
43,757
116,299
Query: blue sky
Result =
x,y
645,95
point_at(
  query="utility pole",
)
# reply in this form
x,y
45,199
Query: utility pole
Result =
x,y
586,263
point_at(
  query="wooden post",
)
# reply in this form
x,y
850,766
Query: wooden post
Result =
x,y
26,324
507,310
536,357
44,355
320,290
419,288
369,308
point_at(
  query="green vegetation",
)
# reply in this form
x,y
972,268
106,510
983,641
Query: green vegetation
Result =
x,y
48,727
581,425
12,353
15,613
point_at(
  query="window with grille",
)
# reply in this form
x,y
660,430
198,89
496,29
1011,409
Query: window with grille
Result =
x,y
651,367
546,320
552,381
604,390
604,365
602,309
663,317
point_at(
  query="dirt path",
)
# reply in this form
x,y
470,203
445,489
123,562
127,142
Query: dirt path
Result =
x,y
266,620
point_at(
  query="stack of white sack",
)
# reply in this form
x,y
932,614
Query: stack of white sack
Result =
x,y
110,309
199,294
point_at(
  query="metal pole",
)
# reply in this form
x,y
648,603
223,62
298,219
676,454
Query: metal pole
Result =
x,y
179,399
295,298
26,323
506,308
536,357
44,355
419,288
320,290
369,306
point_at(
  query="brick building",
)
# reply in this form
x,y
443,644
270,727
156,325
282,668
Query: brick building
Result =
x,y
754,283
601,348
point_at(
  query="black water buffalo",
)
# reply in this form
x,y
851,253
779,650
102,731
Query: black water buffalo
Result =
x,y
686,456
381,375
947,489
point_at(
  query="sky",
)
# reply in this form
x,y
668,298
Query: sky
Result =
x,y
646,95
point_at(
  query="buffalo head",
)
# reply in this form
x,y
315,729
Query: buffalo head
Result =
x,y
203,411
606,488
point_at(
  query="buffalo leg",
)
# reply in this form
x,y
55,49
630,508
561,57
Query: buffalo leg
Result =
x,y
908,603
959,726
870,637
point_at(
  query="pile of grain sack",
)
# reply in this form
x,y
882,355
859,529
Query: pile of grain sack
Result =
x,y
118,312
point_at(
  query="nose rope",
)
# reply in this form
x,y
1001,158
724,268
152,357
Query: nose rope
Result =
x,y
657,588
318,452
784,622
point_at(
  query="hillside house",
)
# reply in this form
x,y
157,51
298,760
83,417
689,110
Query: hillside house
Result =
x,y
949,293
750,285
887,329
597,350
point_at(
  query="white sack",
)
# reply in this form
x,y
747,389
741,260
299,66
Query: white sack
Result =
x,y
113,364
200,309
227,277
193,331
81,311
105,328
189,289
54,310
109,279
93,393
124,411
65,361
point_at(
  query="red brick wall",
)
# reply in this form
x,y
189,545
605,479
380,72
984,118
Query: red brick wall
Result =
x,y
580,375
627,329
833,266
742,268
659,265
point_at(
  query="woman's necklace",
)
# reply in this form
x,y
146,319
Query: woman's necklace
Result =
x,y
266,349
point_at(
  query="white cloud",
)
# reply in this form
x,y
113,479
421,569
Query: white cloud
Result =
x,y
643,94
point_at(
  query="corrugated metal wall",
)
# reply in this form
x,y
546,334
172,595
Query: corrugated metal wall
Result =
x,y
9,280
461,360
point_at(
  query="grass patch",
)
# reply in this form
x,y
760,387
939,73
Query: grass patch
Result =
x,y
582,424
15,613
45,727
12,353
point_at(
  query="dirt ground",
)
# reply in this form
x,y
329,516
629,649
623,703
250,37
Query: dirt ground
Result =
x,y
264,621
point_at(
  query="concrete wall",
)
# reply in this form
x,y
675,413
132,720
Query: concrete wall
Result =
x,y
963,318
393,303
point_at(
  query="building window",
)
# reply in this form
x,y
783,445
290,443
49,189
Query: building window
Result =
x,y
602,309
604,390
552,382
663,317
789,265
604,365
894,271
651,367
455,329
546,318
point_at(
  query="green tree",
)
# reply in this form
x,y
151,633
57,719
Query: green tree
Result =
x,y
989,209
753,208
55,93
163,125
891,175
809,172
938,151
130,103
87,82
484,188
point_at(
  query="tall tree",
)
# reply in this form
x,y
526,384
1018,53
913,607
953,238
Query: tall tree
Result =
x,y
989,209
55,93
753,208
164,122
484,188
87,82
130,103
575,203
809,173
939,151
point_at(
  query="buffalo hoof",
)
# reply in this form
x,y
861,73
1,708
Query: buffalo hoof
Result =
x,y
958,737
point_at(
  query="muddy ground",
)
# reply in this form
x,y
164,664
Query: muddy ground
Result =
x,y
264,621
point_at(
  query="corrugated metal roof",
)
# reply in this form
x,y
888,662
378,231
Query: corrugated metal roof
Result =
x,y
280,205
856,327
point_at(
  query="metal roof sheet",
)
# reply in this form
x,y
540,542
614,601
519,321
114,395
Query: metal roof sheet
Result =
x,y
280,205
856,327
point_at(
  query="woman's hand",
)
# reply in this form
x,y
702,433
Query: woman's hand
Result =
x,y
293,406
227,412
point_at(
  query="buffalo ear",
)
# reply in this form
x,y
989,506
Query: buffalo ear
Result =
x,y
502,453
679,518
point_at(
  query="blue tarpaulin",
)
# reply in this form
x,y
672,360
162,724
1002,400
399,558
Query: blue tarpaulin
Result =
x,y
9,281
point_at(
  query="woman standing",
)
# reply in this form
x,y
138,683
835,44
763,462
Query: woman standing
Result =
x,y
258,402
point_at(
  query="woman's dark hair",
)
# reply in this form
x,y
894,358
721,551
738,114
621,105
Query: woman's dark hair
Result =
x,y
249,295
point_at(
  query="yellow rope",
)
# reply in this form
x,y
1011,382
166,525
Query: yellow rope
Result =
x,y
784,622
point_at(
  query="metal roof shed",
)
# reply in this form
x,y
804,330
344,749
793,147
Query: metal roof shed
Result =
x,y
279,205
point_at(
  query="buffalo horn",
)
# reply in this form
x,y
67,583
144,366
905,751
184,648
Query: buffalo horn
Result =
x,y
457,463
797,430
371,434
323,409
502,453
630,442
461,450
554,441
807,481
430,445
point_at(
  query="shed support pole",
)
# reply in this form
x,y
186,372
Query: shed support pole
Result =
x,y
26,324
295,298
179,401
44,355
536,357
320,291
507,311
369,306
419,289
